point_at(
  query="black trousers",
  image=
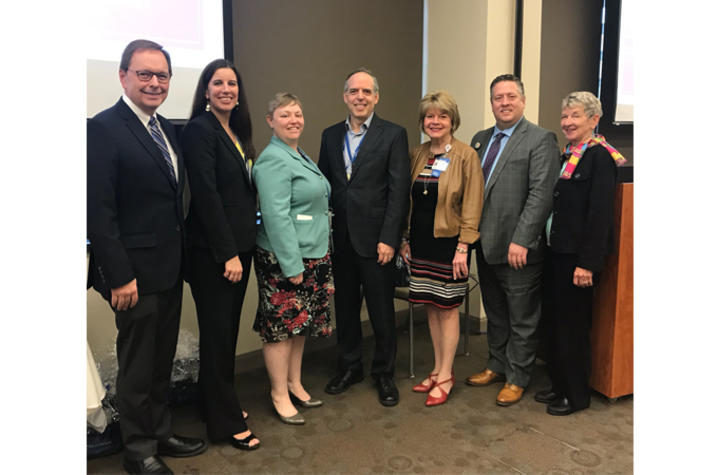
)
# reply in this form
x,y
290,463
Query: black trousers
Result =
x,y
219,305
567,328
352,275
146,343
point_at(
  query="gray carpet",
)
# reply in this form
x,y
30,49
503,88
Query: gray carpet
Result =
x,y
353,433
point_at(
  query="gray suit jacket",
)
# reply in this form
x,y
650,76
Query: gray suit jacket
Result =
x,y
518,195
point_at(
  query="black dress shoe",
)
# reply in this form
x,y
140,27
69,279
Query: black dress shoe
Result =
x,y
178,446
341,382
562,407
547,396
152,464
388,394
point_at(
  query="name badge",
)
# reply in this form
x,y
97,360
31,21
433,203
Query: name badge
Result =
x,y
439,166
304,217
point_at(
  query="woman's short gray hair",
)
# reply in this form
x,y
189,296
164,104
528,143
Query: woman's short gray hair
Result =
x,y
591,104
282,99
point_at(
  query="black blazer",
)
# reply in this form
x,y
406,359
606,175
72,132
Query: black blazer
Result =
x,y
583,210
372,205
134,206
223,208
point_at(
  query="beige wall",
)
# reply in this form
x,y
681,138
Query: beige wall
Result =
x,y
308,47
567,65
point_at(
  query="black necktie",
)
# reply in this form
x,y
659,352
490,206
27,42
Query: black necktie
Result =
x,y
160,141
491,156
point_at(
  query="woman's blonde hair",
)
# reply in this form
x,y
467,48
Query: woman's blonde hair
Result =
x,y
443,101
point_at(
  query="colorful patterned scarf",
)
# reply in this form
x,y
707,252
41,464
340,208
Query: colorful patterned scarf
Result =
x,y
578,151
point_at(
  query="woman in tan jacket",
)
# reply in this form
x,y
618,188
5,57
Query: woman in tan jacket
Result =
x,y
446,200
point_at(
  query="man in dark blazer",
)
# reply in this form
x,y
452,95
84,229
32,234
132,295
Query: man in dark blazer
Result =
x,y
135,220
366,160
520,162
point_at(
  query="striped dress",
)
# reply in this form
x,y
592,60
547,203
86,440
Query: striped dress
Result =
x,y
432,278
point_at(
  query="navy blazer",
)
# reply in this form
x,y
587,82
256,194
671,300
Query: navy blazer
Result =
x,y
222,215
582,220
372,205
134,206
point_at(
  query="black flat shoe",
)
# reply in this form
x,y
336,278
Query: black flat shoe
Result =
x,y
341,382
388,394
547,396
561,407
152,464
179,446
243,444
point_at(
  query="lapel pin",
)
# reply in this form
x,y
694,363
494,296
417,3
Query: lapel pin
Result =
x,y
477,145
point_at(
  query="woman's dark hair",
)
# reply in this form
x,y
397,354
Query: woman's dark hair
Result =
x,y
239,120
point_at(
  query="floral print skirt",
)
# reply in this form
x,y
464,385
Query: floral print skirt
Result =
x,y
285,309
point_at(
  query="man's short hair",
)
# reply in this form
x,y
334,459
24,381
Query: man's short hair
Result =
x,y
507,77
362,70
137,45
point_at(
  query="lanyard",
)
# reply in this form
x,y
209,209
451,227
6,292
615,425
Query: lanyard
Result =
x,y
349,150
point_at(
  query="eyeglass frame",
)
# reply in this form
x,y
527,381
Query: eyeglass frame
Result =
x,y
162,77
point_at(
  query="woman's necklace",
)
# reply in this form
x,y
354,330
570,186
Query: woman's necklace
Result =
x,y
447,148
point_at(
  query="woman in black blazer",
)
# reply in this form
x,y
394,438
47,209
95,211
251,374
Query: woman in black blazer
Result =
x,y
579,235
221,230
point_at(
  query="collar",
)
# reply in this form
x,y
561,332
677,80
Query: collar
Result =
x,y
280,143
142,115
508,131
364,127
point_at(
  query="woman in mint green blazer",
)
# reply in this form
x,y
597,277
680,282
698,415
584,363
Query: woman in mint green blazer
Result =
x,y
294,274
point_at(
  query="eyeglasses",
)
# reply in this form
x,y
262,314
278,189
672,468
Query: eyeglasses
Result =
x,y
145,75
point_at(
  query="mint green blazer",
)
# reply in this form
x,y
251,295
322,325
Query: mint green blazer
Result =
x,y
294,201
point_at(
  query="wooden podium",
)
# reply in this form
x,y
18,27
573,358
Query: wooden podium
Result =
x,y
612,330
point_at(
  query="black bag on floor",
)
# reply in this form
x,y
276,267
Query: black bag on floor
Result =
x,y
100,444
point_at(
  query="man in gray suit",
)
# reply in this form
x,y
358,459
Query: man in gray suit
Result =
x,y
520,162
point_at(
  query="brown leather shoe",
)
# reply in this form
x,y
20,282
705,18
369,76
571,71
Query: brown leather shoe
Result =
x,y
509,394
485,378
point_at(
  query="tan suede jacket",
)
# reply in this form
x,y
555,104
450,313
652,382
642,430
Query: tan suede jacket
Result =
x,y
461,192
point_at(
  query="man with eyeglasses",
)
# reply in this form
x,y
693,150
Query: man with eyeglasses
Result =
x,y
135,178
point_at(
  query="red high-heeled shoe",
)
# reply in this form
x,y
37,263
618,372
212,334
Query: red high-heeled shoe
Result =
x,y
421,388
436,401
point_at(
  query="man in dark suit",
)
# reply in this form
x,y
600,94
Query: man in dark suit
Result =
x,y
520,162
135,178
366,160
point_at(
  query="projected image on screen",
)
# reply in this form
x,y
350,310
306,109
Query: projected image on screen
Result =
x,y
190,30
624,86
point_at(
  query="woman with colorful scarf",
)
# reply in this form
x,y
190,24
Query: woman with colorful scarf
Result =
x,y
579,235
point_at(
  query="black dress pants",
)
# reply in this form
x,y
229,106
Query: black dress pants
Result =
x,y
352,275
146,344
567,324
219,305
